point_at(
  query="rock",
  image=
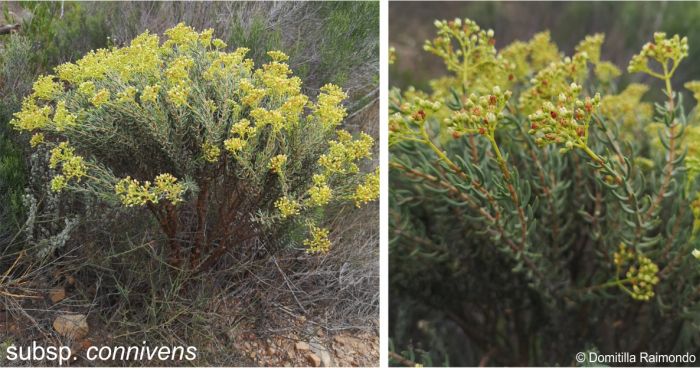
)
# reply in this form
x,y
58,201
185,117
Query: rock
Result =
x,y
73,326
302,346
56,295
319,349
271,351
313,360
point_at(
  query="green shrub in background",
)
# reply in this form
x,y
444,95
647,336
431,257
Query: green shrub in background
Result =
x,y
15,76
536,210
218,151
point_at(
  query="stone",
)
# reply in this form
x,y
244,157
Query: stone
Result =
x,y
302,346
313,360
73,326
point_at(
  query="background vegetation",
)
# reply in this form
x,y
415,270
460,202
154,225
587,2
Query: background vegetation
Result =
x,y
103,256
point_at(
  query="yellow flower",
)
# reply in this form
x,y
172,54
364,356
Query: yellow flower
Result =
x,y
179,70
318,242
181,35
150,93
320,195
166,186
277,162
31,117
62,118
211,152
694,86
234,145
287,207
127,95
367,191
606,71
87,88
45,88
178,95
100,98
36,139
278,56
219,44
591,46
328,109
58,182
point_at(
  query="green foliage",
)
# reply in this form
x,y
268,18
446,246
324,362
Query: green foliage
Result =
x,y
63,31
15,76
218,151
533,205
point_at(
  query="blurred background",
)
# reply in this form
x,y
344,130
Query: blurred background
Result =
x,y
627,26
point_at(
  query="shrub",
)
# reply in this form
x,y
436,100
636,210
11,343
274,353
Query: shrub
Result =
x,y
540,207
216,150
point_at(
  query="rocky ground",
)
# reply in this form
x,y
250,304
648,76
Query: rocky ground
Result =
x,y
320,349
289,340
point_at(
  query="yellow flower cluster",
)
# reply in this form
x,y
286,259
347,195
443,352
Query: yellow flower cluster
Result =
x,y
86,88
661,50
140,59
318,242
182,36
566,122
641,274
150,93
694,86
591,47
211,152
320,193
241,131
179,94
252,96
329,109
474,60
100,98
31,117
480,114
277,163
606,71
72,165
133,193
627,107
367,191
288,207
543,51
45,88
552,80
127,95
224,63
264,117
178,70
343,153
274,76
36,139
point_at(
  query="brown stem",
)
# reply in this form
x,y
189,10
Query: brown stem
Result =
x,y
200,235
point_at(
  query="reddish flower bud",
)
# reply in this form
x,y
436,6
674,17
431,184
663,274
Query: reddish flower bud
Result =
x,y
456,135
553,114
